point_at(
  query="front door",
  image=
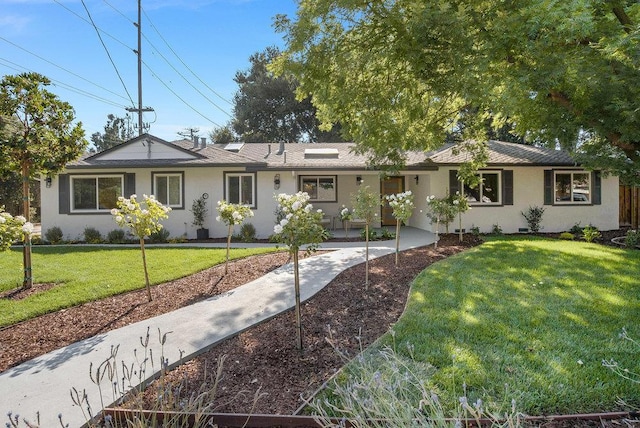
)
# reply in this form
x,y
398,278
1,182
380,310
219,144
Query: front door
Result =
x,y
390,186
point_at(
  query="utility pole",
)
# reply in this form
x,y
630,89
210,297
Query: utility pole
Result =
x,y
140,109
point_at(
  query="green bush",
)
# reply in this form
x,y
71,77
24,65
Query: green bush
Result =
x,y
116,236
53,235
632,239
387,234
496,229
576,229
247,233
372,234
567,235
591,233
92,235
475,230
159,237
533,216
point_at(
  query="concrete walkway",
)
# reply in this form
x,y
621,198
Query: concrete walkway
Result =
x,y
43,384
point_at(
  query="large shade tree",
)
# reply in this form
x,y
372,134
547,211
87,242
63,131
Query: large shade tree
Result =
x,y
116,131
397,74
266,108
39,136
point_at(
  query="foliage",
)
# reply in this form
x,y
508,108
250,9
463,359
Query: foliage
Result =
x,y
54,235
441,211
632,238
222,135
85,280
402,206
38,137
386,234
576,229
116,236
92,235
160,236
247,233
405,72
591,233
567,235
496,229
475,230
266,107
460,206
345,214
13,229
199,210
116,131
533,216
142,222
231,214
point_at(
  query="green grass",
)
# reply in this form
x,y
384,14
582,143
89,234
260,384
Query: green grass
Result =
x,y
90,273
527,319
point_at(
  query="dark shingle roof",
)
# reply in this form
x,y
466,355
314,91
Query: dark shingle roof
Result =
x,y
502,153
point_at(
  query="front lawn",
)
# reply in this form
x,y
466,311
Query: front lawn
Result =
x,y
83,274
525,319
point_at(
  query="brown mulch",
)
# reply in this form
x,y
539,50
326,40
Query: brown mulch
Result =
x,y
342,317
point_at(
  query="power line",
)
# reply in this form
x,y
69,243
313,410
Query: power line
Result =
x,y
183,63
179,97
61,68
107,51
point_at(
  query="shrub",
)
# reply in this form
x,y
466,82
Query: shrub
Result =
x,y
247,233
372,234
475,230
591,233
116,236
53,235
496,229
92,235
160,236
533,216
632,239
567,235
576,229
387,234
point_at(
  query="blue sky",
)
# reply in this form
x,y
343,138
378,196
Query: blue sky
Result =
x,y
212,40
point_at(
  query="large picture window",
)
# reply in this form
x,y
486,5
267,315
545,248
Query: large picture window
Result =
x,y
167,188
488,191
95,193
572,187
240,189
320,188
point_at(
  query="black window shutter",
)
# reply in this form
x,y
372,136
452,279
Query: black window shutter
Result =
x,y
507,187
129,184
64,199
454,185
596,187
548,187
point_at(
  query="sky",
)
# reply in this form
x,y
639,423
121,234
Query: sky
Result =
x,y
191,51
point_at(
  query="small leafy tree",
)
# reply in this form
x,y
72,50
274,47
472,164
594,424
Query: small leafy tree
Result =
x,y
38,137
366,205
440,211
300,225
402,206
345,216
231,215
141,221
533,216
460,206
13,229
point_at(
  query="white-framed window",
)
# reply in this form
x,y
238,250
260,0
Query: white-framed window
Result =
x,y
168,188
320,188
572,187
95,192
240,188
488,191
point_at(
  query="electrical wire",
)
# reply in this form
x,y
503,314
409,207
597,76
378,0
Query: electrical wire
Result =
x,y
61,68
180,59
179,97
107,52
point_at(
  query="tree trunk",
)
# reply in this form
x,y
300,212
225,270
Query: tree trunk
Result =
x,y
226,265
460,226
296,277
146,273
366,257
26,247
397,239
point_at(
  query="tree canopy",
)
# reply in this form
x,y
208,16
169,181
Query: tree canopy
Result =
x,y
398,74
266,108
116,131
